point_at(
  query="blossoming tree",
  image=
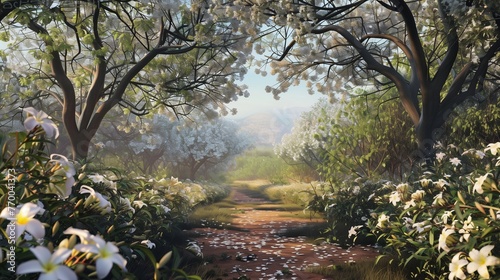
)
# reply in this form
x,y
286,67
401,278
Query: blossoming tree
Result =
x,y
183,147
436,54
92,57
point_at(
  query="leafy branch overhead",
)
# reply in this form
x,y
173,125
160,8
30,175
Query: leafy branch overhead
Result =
x,y
94,56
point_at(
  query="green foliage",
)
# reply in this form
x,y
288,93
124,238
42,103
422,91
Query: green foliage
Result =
x,y
475,126
295,193
138,216
347,207
444,218
260,163
362,141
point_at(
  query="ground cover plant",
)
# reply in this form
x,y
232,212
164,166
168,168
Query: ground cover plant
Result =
x,y
65,220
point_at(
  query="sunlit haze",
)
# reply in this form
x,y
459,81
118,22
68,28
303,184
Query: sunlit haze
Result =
x,y
262,101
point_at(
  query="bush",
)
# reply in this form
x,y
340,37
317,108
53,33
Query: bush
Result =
x,y
60,217
445,224
347,209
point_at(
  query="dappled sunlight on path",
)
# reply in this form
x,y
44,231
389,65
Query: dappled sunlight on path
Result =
x,y
260,251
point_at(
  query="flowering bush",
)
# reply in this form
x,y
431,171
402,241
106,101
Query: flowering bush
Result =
x,y
60,220
445,224
347,208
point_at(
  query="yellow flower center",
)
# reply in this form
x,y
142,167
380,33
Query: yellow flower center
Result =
x,y
482,260
49,267
22,220
105,253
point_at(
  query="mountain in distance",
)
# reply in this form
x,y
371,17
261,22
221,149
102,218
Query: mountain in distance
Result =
x,y
268,127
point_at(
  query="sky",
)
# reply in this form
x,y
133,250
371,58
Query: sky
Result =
x,y
262,101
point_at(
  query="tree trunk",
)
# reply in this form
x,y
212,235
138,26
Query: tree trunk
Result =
x,y
80,143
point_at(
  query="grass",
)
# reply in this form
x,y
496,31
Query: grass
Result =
x,y
311,230
360,271
216,215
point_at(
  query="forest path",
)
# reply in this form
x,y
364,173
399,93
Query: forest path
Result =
x,y
261,251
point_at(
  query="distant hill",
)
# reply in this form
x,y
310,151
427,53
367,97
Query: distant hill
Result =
x,y
267,128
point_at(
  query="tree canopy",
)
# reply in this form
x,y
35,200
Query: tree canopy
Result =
x,y
92,57
436,54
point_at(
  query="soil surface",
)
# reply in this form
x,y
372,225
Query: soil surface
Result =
x,y
260,251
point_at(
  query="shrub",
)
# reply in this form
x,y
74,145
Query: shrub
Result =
x,y
66,221
347,209
445,224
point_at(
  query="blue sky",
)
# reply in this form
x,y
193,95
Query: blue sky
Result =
x,y
259,100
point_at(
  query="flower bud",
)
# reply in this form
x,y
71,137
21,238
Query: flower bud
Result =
x,y
55,228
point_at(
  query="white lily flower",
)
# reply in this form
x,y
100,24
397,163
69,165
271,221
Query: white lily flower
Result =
x,y
95,196
456,267
69,171
85,236
480,260
39,118
493,148
25,220
478,185
139,203
48,264
148,244
106,254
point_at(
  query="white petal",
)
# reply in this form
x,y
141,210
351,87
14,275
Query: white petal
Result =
x,y
472,266
30,110
48,276
29,267
60,255
49,129
19,230
42,115
103,266
30,123
7,215
65,273
111,247
119,260
41,253
29,210
86,248
87,189
70,181
35,228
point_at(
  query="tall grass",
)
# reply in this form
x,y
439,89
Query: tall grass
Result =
x,y
360,271
260,163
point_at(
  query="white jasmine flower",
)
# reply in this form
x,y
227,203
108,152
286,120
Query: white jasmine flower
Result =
x,y
95,196
493,148
139,203
48,264
455,267
148,244
39,118
440,156
443,237
478,185
480,260
455,161
106,253
24,219
395,197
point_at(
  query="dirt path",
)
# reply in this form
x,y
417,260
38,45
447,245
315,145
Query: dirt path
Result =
x,y
261,252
